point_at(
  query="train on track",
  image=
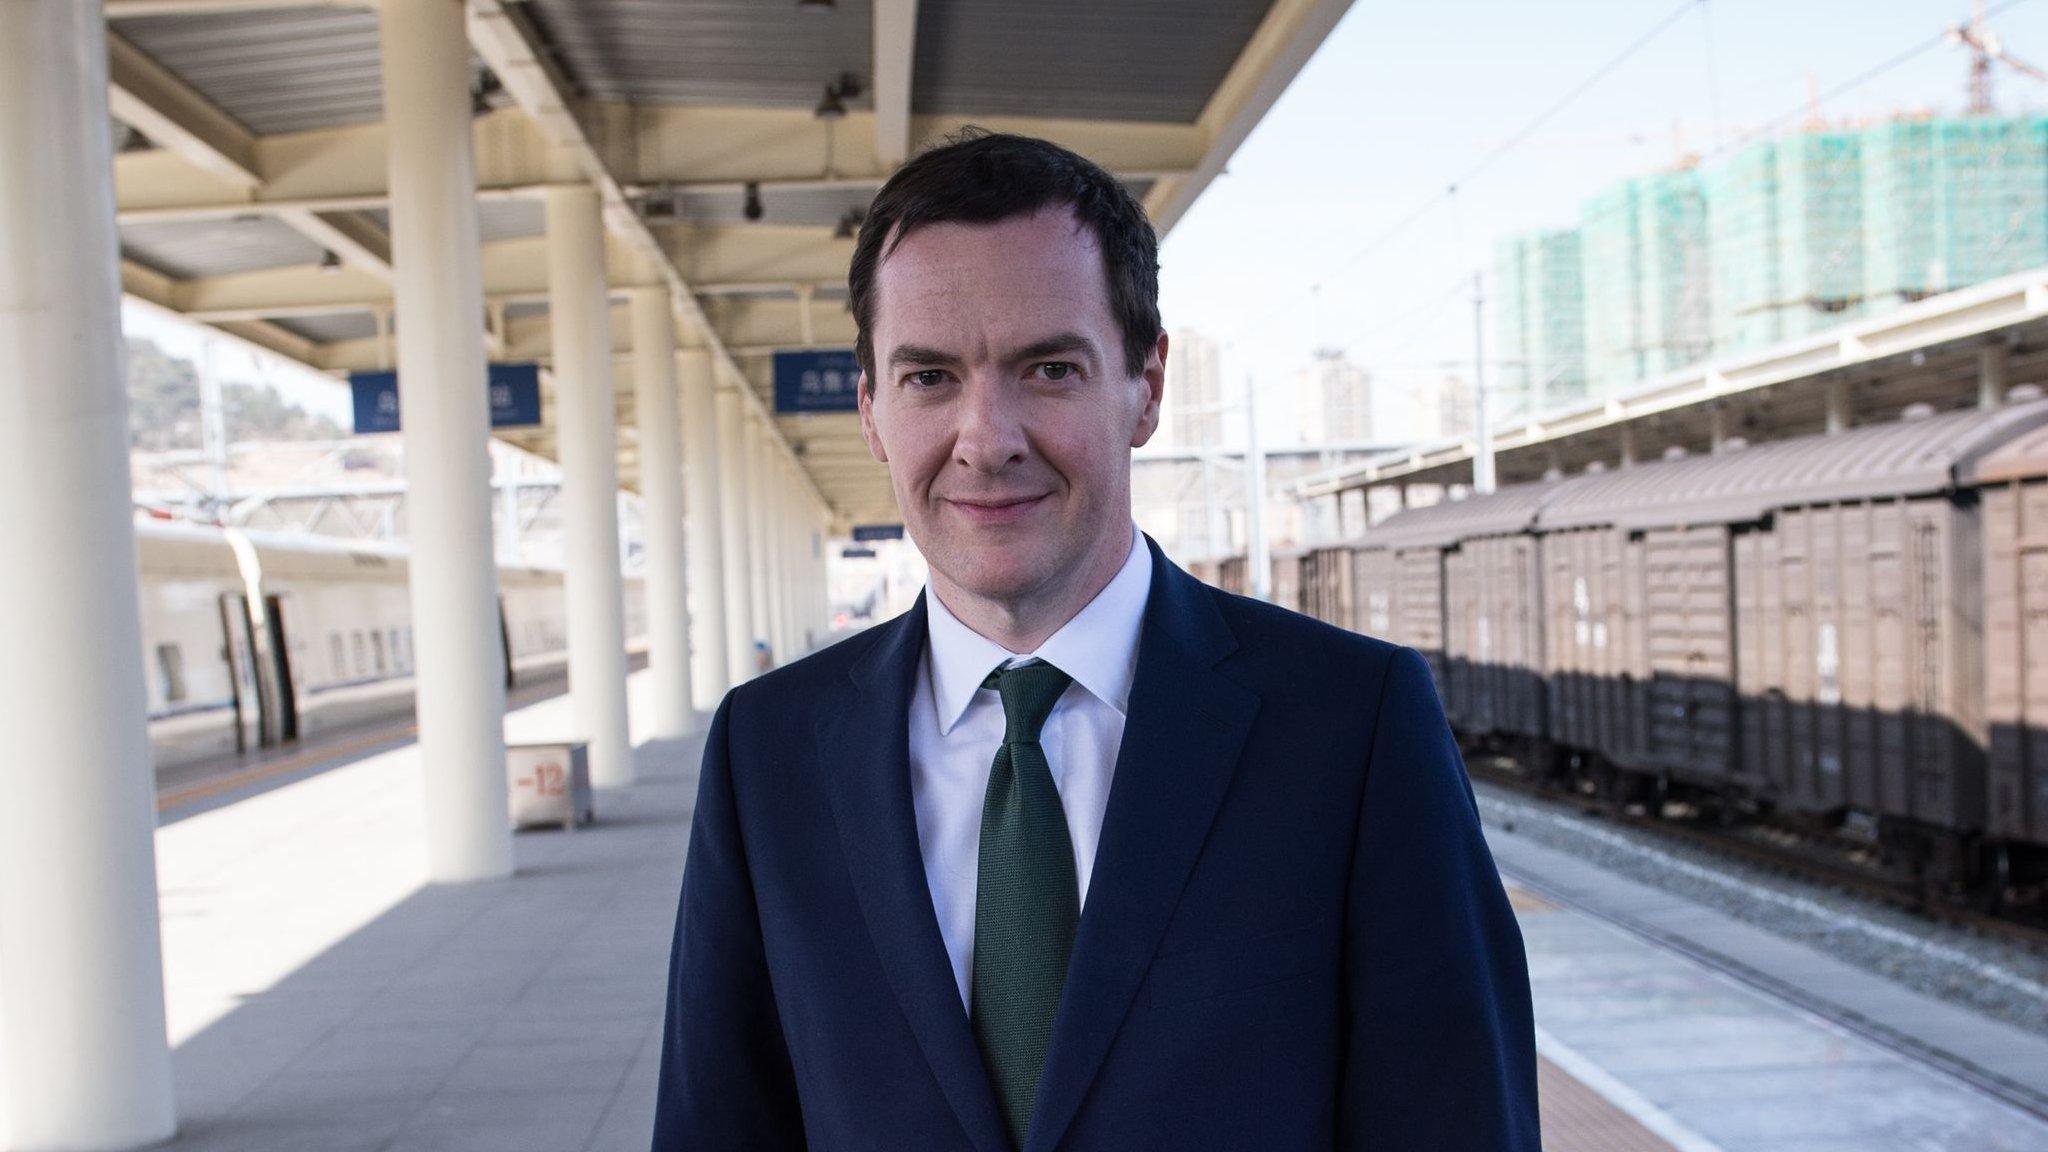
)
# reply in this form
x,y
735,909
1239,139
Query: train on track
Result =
x,y
255,641
1847,632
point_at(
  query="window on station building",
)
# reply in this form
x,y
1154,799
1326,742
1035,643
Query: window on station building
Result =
x,y
362,648
170,667
398,653
338,656
377,645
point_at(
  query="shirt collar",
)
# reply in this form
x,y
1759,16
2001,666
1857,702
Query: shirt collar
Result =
x,y
1098,647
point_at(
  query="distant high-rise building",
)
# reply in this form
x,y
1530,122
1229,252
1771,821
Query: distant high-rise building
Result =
x,y
1336,400
1194,390
1540,303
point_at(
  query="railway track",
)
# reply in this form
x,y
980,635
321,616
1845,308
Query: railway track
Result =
x,y
1770,848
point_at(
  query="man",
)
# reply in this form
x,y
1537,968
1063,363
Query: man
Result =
x,y
1078,853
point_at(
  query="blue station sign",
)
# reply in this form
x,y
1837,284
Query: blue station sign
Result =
x,y
868,533
817,380
514,391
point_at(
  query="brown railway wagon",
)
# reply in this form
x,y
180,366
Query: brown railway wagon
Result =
x,y
1800,614
1459,581
1593,641
2012,486
1399,593
1230,576
1286,585
1327,586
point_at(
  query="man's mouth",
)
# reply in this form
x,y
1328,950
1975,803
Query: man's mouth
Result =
x,y
996,509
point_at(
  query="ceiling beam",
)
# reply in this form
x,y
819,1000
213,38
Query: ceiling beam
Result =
x,y
653,148
1282,44
151,99
130,9
895,49
355,238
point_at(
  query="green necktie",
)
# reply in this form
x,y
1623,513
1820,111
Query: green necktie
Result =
x,y
1026,899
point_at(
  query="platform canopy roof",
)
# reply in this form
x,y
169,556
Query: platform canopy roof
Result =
x,y
251,171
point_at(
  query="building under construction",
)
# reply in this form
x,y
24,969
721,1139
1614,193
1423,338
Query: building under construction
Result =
x,y
1776,240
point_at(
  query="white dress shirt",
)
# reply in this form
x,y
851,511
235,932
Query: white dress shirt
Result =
x,y
956,726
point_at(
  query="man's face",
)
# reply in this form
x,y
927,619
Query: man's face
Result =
x,y
1001,402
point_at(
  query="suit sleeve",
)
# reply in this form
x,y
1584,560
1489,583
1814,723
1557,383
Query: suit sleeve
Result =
x,y
726,1079
1440,1046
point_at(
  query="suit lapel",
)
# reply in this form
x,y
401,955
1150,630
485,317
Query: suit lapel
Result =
x,y
1182,737
867,746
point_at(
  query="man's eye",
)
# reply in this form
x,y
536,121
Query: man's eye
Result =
x,y
929,378
1056,370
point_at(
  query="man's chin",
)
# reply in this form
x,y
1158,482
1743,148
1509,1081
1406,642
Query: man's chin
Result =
x,y
994,576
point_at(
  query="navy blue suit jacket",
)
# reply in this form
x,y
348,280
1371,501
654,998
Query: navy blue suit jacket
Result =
x,y
1295,937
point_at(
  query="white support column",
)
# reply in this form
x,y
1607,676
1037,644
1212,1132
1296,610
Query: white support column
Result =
x,y
1839,413
1994,367
83,1058
437,291
780,513
814,586
711,673
659,423
733,521
579,315
758,597
800,560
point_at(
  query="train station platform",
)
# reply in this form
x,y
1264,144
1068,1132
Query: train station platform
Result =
x,y
1718,1036
323,998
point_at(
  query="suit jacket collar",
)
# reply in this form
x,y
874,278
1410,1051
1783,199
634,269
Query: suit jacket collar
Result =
x,y
1185,728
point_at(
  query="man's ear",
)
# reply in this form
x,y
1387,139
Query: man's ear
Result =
x,y
1154,377
866,391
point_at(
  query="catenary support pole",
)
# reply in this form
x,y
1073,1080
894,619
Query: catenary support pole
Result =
x,y
710,672
83,1058
437,291
659,425
579,314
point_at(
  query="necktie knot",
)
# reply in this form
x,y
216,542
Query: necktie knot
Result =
x,y
1029,691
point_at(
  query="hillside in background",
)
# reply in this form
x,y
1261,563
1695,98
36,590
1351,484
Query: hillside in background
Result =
x,y
163,406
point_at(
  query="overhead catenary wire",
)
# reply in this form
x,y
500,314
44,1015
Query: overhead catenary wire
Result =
x,y
1479,167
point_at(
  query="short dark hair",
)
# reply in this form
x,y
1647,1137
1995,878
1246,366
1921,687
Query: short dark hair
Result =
x,y
981,177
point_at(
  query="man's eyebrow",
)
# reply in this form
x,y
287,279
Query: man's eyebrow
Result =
x,y
1064,342
904,354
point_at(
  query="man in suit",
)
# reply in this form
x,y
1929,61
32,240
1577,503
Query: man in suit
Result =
x,y
1078,853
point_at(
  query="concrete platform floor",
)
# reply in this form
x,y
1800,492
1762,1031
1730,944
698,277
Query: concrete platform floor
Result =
x,y
1710,1063
322,998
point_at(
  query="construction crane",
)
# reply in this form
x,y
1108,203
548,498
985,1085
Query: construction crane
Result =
x,y
1985,47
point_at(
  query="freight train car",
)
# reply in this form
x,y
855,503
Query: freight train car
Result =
x,y
1841,630
1457,581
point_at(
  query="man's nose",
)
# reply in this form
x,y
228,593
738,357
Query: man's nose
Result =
x,y
991,434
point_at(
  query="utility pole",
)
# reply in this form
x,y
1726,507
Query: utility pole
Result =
x,y
1258,561
1482,436
213,431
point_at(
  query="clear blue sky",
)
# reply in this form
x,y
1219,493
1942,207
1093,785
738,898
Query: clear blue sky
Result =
x,y
1404,97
